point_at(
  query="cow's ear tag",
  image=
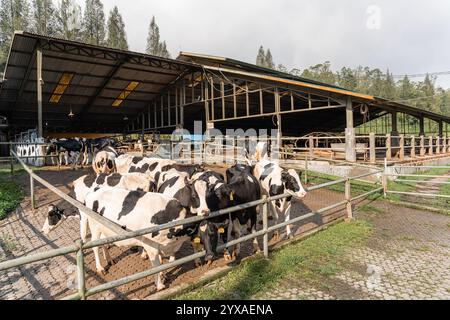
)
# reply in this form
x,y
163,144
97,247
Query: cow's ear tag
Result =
x,y
231,196
197,240
221,230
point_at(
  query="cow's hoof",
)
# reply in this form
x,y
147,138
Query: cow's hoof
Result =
x,y
160,287
226,256
256,248
112,262
234,254
208,263
276,236
198,263
290,236
101,272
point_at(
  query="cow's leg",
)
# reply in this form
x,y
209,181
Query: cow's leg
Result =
x,y
66,157
287,217
96,235
274,209
253,230
110,261
237,235
226,252
154,257
144,255
197,261
83,227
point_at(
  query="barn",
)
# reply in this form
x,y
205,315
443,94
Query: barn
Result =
x,y
61,87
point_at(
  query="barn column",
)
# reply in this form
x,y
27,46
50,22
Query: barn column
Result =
x,y
395,143
350,141
39,83
422,126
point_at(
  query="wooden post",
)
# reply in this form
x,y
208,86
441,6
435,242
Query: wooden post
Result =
x,y
80,270
402,147
39,83
438,145
33,206
413,146
384,179
348,198
265,225
372,150
306,169
388,146
430,148
422,146
350,141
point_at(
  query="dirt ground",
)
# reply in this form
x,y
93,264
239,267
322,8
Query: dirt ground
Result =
x,y
56,278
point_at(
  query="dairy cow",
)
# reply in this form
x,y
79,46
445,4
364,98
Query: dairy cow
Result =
x,y
104,161
242,187
135,210
274,180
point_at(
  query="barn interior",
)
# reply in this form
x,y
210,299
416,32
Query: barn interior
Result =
x,y
68,88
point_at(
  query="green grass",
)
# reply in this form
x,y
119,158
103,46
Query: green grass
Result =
x,y
313,259
357,187
10,195
370,209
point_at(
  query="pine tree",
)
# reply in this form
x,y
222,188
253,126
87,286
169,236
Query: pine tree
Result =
x,y
347,79
154,45
44,18
261,57
94,23
70,20
14,15
117,37
269,60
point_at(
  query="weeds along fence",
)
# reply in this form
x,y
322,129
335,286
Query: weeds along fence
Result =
x,y
412,176
79,247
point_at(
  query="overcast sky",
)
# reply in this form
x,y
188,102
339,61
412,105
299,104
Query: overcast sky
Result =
x,y
406,36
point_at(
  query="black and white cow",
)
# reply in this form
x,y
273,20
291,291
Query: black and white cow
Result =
x,y
242,187
274,180
104,161
190,169
135,210
67,146
85,184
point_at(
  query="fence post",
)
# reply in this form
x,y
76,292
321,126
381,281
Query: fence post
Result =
x,y
348,198
372,154
306,169
402,147
430,147
80,270
413,146
422,145
438,145
265,226
11,163
311,146
388,147
384,179
33,204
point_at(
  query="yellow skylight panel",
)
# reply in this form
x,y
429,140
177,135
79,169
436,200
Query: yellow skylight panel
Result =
x,y
61,87
125,93
117,102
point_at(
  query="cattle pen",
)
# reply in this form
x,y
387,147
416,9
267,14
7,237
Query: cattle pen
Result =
x,y
79,247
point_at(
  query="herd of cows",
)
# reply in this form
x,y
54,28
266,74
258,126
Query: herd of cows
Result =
x,y
141,192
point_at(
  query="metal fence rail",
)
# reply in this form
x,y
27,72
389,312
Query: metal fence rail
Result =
x,y
79,247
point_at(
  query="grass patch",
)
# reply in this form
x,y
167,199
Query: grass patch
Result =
x,y
357,187
317,257
10,196
370,209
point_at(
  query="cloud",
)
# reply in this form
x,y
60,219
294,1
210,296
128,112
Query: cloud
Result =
x,y
413,36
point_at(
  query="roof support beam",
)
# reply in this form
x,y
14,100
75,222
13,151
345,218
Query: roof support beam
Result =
x,y
104,83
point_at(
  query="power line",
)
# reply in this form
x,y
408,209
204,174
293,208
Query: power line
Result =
x,y
421,75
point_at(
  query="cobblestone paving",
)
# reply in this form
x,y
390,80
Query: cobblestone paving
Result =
x,y
407,257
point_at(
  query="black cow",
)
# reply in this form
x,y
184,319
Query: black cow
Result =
x,y
242,187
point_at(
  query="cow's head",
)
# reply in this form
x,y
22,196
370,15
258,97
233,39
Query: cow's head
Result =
x,y
54,218
104,162
199,193
291,181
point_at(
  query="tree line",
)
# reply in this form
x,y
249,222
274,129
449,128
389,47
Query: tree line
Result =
x,y
67,21
424,94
